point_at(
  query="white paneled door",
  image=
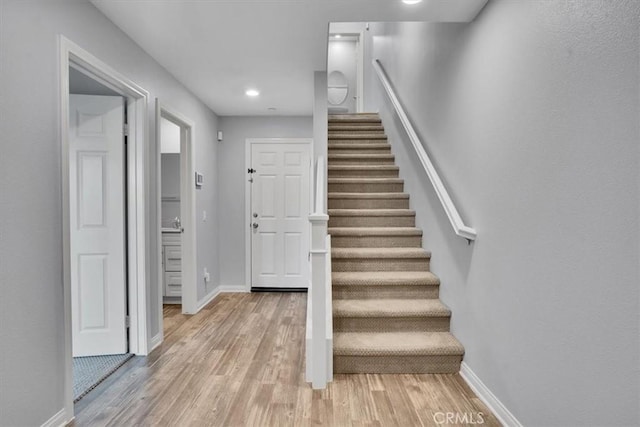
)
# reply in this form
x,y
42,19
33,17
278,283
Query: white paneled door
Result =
x,y
97,224
280,215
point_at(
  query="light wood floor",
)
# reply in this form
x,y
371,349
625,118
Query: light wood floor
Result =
x,y
240,361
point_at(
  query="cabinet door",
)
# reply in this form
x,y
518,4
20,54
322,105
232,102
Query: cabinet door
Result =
x,y
172,258
173,284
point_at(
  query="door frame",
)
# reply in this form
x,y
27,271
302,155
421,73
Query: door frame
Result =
x,y
360,71
247,193
187,209
72,55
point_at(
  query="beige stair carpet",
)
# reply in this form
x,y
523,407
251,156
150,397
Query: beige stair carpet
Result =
x,y
387,317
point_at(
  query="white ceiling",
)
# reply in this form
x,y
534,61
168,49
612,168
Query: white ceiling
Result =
x,y
219,48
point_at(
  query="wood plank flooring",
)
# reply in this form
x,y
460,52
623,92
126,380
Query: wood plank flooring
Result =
x,y
240,362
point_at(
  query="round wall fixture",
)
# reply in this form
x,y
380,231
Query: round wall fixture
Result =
x,y
338,87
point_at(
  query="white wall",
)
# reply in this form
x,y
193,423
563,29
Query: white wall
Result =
x,y
531,115
233,174
31,326
169,136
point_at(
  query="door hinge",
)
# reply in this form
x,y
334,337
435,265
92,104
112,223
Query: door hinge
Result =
x,y
251,170
127,321
125,129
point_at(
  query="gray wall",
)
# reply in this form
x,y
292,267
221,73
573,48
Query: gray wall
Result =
x,y
530,113
31,326
233,174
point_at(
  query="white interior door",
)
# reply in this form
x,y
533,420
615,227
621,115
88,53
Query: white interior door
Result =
x,y
97,224
280,211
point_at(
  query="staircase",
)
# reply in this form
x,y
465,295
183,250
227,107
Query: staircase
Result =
x,y
387,317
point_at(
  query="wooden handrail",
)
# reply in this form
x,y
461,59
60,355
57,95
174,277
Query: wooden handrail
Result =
x,y
450,209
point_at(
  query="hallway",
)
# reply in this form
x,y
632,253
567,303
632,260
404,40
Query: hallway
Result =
x,y
240,361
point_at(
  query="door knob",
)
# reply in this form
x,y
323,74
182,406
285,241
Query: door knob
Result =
x,y
255,214
254,225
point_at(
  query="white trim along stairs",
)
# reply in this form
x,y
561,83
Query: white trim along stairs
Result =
x,y
387,317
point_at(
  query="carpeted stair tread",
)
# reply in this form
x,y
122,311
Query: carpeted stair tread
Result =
x,y
356,136
341,145
364,179
354,118
375,231
390,308
344,127
379,253
396,344
371,212
338,195
363,168
367,156
383,278
367,171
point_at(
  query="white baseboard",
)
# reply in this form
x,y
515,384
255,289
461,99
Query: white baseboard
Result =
x,y
234,288
493,403
58,420
155,342
208,298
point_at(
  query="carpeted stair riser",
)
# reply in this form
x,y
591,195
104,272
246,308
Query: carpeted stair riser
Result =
x,y
377,171
391,324
348,141
384,285
365,185
386,237
380,264
357,137
384,292
396,364
357,127
376,242
372,221
346,201
351,131
351,148
361,159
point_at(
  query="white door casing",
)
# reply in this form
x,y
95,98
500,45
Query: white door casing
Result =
x,y
280,205
97,224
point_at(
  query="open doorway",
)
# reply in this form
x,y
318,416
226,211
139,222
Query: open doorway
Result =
x,y
102,134
98,232
345,68
176,217
170,222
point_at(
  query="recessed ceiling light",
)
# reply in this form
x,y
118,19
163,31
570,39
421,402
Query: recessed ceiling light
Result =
x,y
337,36
411,1
252,92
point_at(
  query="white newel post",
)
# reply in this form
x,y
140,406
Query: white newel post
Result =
x,y
318,353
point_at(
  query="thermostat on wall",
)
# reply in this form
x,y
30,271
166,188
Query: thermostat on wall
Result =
x,y
199,180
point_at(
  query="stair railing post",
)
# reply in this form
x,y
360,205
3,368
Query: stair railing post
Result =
x,y
318,354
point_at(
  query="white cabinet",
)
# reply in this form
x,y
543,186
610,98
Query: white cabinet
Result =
x,y
172,264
